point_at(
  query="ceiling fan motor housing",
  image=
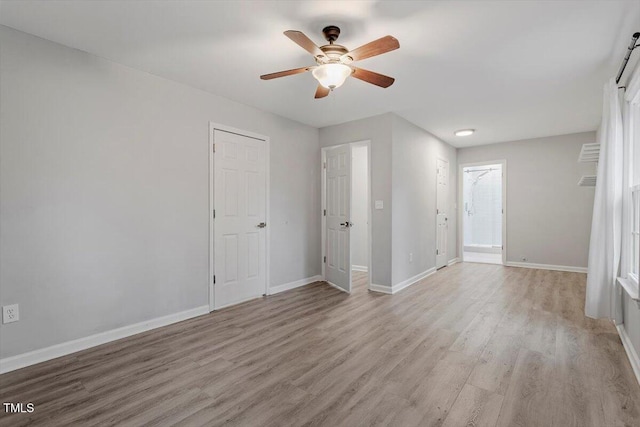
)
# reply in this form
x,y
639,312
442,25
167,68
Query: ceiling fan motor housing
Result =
x,y
331,33
333,52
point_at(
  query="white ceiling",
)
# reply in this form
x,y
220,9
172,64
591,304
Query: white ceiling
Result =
x,y
512,70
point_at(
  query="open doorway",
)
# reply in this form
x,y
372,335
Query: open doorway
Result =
x,y
360,217
346,221
483,212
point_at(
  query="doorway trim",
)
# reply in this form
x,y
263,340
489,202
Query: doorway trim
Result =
x,y
461,167
323,198
212,127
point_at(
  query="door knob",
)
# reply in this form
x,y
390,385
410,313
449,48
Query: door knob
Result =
x,y
346,224
262,225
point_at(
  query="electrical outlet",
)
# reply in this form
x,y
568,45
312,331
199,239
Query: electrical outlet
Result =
x,y
10,313
410,257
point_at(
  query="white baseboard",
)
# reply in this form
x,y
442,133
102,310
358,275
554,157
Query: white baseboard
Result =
x,y
412,280
547,267
381,288
363,268
296,284
42,355
631,352
402,285
453,261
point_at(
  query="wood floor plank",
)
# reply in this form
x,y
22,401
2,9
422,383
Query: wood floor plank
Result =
x,y
529,396
474,407
440,388
472,344
496,363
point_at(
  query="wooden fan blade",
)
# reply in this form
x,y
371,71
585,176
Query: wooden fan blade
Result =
x,y
284,73
376,47
373,78
321,92
304,42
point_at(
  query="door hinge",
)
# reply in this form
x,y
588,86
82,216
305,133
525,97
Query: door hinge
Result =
x,y
325,212
214,279
437,211
324,260
214,148
324,165
214,214
437,252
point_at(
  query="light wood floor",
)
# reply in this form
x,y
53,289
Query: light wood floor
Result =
x,y
474,344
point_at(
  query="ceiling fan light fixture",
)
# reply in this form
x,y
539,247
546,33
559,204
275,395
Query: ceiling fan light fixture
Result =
x,y
464,132
332,75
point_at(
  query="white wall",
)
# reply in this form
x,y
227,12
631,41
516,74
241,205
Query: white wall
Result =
x,y
376,129
104,205
548,214
360,207
415,153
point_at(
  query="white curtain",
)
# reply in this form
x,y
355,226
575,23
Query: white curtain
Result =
x,y
603,295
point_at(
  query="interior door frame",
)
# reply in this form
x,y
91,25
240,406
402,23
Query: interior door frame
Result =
x,y
448,203
212,127
323,199
461,167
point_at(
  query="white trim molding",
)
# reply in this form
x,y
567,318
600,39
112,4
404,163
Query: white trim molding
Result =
x,y
23,360
568,268
363,268
630,350
412,280
394,289
453,261
295,284
383,289
630,287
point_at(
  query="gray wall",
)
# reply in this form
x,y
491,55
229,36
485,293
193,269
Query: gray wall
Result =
x,y
415,152
360,207
104,199
377,129
403,176
548,214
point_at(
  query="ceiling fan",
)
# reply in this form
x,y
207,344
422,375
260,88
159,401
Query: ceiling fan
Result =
x,y
333,61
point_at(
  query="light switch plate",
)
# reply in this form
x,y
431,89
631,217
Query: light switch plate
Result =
x,y
379,204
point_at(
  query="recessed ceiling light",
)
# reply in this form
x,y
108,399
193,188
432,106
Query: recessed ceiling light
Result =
x,y
464,132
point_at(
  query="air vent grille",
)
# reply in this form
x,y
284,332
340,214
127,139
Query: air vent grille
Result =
x,y
587,181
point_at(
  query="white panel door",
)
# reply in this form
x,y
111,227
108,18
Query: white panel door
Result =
x,y
442,213
338,205
240,218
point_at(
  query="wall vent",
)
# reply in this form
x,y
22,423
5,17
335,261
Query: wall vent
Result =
x,y
589,153
587,181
